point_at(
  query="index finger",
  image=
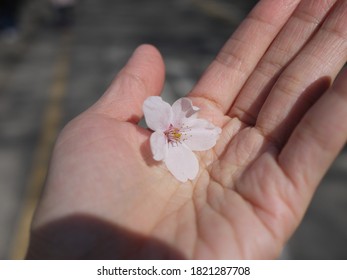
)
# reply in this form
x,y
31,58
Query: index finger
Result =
x,y
229,71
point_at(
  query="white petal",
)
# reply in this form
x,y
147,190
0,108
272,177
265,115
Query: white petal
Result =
x,y
158,114
159,145
182,162
183,108
200,135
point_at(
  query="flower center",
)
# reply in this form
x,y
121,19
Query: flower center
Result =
x,y
173,134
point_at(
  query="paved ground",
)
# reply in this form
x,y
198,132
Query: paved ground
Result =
x,y
51,76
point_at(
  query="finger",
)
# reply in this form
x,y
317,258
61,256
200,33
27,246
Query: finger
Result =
x,y
306,78
142,76
226,75
294,35
317,139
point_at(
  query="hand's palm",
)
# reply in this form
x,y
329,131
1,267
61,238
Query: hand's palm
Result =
x,y
152,203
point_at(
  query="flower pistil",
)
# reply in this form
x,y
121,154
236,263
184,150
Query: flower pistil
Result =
x,y
175,135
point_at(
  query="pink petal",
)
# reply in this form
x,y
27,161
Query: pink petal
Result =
x,y
158,114
183,108
200,135
182,162
158,145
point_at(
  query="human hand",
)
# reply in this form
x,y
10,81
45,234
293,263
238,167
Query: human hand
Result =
x,y
283,124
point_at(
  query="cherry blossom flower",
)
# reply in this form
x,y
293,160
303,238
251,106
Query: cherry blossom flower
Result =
x,y
177,133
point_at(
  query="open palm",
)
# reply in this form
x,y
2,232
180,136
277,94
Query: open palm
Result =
x,y
269,89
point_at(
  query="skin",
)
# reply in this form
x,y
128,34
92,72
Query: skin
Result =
x,y
272,89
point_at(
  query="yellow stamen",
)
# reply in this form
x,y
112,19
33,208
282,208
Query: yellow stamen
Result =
x,y
177,135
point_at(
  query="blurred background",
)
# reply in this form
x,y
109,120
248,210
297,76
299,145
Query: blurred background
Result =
x,y
58,56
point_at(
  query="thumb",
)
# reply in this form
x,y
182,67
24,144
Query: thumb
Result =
x,y
142,76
